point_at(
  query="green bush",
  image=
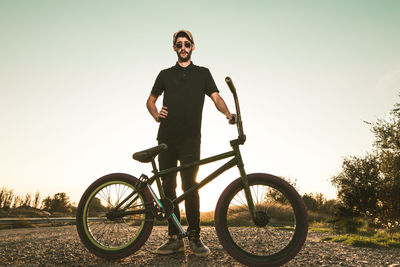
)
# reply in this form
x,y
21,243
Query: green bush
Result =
x,y
350,225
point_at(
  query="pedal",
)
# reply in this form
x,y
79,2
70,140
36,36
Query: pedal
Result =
x,y
142,180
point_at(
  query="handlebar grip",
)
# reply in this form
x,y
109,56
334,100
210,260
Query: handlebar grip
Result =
x,y
229,82
234,119
238,119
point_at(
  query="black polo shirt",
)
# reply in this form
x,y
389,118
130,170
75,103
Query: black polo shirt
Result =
x,y
184,90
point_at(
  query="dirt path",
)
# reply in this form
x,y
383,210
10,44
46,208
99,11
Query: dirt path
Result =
x,y
60,246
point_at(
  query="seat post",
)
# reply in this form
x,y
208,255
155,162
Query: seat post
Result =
x,y
154,165
158,181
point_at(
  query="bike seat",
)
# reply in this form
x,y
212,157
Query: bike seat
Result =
x,y
146,155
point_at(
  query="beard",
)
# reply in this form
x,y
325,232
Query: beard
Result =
x,y
184,58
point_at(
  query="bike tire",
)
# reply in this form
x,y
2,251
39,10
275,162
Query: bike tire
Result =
x,y
114,238
281,208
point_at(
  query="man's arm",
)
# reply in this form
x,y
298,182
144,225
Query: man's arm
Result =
x,y
221,106
151,107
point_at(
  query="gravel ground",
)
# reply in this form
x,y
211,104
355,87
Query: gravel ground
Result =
x,y
60,246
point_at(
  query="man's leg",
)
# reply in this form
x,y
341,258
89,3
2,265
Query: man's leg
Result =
x,y
168,159
189,151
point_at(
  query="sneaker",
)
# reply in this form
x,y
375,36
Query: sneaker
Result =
x,y
173,245
198,247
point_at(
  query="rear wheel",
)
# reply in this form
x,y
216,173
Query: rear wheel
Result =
x,y
111,233
277,233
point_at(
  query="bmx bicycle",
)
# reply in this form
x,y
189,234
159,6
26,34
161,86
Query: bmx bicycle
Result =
x,y
260,219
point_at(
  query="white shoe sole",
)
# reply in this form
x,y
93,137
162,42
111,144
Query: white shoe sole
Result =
x,y
203,254
168,252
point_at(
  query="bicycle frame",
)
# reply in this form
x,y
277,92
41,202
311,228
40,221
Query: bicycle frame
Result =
x,y
235,161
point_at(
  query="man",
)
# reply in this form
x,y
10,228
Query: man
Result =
x,y
184,86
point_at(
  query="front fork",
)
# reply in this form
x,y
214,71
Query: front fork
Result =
x,y
245,181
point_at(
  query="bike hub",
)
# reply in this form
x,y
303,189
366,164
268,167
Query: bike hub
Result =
x,y
113,215
261,219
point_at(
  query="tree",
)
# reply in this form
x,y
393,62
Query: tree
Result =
x,y
310,202
36,200
358,185
314,201
96,207
59,203
27,201
387,146
317,202
17,201
370,185
6,198
276,195
329,207
46,203
2,196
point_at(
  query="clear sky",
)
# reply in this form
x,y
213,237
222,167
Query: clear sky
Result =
x,y
75,75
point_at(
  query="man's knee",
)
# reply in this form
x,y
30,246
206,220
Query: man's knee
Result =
x,y
189,180
169,186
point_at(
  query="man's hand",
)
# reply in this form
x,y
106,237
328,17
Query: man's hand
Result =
x,y
231,118
162,114
151,106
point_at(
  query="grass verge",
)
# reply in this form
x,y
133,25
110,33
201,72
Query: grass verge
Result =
x,y
379,239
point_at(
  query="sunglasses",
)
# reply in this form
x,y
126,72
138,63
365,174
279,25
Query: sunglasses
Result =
x,y
179,45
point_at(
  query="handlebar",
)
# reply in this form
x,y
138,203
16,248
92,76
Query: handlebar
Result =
x,y
242,136
229,82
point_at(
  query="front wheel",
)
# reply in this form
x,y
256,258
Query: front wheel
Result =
x,y
278,231
109,232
